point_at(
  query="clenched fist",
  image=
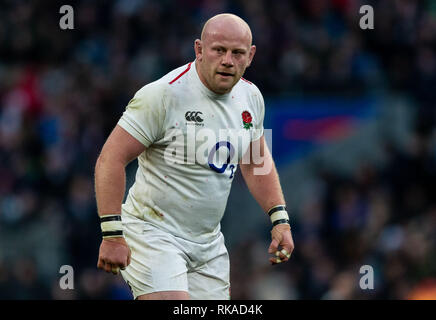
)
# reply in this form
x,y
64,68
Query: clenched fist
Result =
x,y
281,236
114,255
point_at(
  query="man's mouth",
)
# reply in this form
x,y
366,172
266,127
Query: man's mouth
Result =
x,y
226,74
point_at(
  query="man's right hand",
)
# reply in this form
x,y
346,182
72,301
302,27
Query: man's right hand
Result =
x,y
114,255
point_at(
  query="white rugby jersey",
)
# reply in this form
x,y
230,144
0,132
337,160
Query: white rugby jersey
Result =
x,y
181,186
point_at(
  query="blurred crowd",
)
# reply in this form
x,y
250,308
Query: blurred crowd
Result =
x,y
62,92
382,217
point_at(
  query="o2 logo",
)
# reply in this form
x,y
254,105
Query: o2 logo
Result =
x,y
232,167
223,168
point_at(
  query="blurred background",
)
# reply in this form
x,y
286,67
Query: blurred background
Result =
x,y
352,113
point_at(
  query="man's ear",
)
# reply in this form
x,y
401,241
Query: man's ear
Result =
x,y
251,54
198,49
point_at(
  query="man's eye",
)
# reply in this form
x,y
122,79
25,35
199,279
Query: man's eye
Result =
x,y
239,53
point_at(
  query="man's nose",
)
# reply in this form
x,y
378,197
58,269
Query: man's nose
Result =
x,y
227,59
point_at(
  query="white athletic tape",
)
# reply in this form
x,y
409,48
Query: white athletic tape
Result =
x,y
284,252
115,270
279,215
111,226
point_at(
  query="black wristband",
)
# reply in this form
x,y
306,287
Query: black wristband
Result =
x,y
111,226
117,233
281,221
275,209
110,218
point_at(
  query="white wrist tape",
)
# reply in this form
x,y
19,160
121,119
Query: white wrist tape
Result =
x,y
111,226
278,215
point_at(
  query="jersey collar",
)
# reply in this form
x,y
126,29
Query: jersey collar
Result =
x,y
196,79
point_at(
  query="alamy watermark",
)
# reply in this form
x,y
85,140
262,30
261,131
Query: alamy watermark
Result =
x,y
367,20
67,280
367,279
221,150
66,22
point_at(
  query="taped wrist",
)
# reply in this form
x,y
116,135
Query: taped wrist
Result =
x,y
111,226
278,215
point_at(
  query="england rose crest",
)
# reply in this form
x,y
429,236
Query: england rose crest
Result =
x,y
246,118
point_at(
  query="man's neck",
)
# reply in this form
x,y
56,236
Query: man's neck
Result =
x,y
203,79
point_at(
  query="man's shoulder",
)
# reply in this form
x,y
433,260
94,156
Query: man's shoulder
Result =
x,y
248,88
162,86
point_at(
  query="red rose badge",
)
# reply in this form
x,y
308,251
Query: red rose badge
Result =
x,y
246,118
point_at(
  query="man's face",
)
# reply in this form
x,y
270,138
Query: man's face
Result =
x,y
222,60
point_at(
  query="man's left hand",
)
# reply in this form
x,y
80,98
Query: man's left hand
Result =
x,y
281,237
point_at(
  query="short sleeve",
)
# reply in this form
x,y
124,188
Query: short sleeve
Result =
x,y
145,115
260,110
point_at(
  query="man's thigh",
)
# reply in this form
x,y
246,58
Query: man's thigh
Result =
x,y
211,281
156,264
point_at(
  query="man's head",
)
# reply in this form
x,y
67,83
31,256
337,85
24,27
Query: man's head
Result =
x,y
224,52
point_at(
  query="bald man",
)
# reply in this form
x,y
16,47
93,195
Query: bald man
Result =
x,y
190,131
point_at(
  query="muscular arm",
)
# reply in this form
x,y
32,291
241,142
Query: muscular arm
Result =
x,y
265,188
110,175
110,184
263,182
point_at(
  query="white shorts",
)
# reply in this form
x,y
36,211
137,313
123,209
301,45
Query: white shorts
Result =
x,y
163,262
